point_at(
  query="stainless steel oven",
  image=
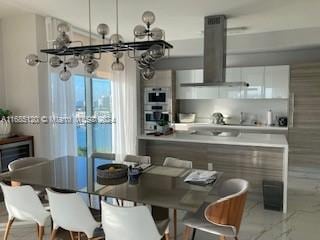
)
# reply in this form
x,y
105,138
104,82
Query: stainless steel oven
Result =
x,y
156,96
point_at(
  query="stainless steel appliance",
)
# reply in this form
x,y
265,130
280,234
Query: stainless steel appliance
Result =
x,y
157,96
157,106
214,60
151,118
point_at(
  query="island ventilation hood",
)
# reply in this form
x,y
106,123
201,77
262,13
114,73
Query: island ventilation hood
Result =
x,y
215,41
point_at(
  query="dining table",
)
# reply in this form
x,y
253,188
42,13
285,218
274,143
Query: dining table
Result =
x,y
161,187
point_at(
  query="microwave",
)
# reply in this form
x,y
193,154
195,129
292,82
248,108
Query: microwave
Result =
x,y
156,95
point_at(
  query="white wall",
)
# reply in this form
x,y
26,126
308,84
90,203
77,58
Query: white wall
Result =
x,y
21,35
2,92
254,108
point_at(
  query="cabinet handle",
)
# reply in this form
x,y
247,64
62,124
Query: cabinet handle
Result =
x,y
292,100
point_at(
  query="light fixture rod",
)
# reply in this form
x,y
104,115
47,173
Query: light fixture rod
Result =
x,y
90,34
117,16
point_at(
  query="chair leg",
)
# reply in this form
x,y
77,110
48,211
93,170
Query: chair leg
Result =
x,y
71,235
9,224
236,238
79,235
53,234
38,230
186,233
166,236
175,224
194,233
222,238
41,232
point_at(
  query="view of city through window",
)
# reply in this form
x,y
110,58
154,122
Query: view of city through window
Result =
x,y
101,106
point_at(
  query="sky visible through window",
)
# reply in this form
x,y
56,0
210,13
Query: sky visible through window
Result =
x,y
101,105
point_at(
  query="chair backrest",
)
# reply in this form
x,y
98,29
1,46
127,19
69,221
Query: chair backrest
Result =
x,y
25,162
123,223
228,210
178,163
69,211
137,159
20,201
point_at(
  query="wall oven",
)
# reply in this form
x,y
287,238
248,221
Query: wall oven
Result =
x,y
156,95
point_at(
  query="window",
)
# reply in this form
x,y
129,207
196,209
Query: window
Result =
x,y
96,137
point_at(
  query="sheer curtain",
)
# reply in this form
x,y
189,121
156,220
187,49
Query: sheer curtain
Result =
x,y
124,109
61,104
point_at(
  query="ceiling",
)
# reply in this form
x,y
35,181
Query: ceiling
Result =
x,y
181,19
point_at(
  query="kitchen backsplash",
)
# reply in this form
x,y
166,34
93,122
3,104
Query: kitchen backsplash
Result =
x,y
253,109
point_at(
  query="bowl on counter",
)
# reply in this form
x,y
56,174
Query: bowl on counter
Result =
x,y
187,117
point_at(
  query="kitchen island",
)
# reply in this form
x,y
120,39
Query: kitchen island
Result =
x,y
254,157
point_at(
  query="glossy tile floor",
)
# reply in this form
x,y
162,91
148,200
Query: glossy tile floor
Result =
x,y
301,222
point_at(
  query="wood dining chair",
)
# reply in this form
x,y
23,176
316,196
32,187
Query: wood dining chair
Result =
x,y
70,212
223,217
134,223
22,203
178,163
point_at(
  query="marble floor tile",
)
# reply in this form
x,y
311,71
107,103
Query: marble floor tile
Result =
x,y
301,222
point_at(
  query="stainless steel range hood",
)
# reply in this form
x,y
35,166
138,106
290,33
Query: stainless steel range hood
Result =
x,y
215,41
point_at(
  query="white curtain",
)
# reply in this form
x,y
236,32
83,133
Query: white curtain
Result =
x,y
124,109
61,104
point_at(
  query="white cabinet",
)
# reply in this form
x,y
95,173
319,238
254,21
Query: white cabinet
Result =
x,y
184,76
255,77
232,75
193,76
277,81
264,82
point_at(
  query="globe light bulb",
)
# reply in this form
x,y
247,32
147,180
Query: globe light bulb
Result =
x,y
72,62
156,33
147,73
57,44
118,54
63,27
64,39
148,17
90,68
65,74
32,60
103,29
117,66
139,31
116,38
156,51
55,61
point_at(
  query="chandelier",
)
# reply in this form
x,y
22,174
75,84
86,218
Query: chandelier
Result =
x,y
148,46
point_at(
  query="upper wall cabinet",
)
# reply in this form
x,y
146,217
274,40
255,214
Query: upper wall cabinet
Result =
x,y
277,81
193,76
232,75
255,77
264,82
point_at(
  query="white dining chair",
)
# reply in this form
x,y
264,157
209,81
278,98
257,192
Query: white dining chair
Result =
x,y
178,163
70,212
137,159
223,217
134,223
22,203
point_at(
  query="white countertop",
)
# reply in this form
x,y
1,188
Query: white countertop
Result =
x,y
188,126
243,139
